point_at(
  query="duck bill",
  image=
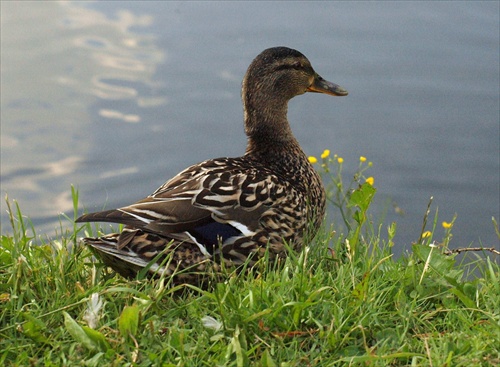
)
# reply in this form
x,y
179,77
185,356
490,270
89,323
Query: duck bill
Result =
x,y
320,85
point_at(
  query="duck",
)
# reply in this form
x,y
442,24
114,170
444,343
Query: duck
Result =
x,y
229,212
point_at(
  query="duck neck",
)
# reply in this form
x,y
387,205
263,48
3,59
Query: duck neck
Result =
x,y
266,125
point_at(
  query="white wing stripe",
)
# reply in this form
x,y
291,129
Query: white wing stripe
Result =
x,y
152,213
147,221
200,246
241,227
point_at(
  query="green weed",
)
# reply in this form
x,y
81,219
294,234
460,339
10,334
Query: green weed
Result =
x,y
343,300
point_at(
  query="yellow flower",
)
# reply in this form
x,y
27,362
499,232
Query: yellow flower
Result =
x,y
340,160
325,154
312,159
447,225
426,234
362,159
370,180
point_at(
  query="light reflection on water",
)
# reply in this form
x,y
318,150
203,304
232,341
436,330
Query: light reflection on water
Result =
x,y
52,72
116,97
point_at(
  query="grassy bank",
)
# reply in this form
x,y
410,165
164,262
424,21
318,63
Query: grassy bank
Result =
x,y
345,300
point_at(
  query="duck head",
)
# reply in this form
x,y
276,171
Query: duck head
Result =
x,y
274,77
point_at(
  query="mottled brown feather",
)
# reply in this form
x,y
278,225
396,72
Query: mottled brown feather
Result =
x,y
230,209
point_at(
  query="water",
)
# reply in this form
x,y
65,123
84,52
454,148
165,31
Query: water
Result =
x,y
117,97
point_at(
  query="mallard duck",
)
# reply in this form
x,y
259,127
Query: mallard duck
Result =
x,y
230,210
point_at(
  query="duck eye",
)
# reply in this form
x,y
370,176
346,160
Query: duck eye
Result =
x,y
296,65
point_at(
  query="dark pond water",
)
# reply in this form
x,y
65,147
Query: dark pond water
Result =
x,y
116,97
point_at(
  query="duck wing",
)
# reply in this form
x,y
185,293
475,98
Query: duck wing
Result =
x,y
205,204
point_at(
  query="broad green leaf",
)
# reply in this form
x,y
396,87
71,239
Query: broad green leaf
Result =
x,y
33,327
97,338
361,288
462,297
128,322
235,342
267,360
439,262
362,197
78,333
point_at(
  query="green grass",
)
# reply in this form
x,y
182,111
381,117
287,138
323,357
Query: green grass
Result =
x,y
343,301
